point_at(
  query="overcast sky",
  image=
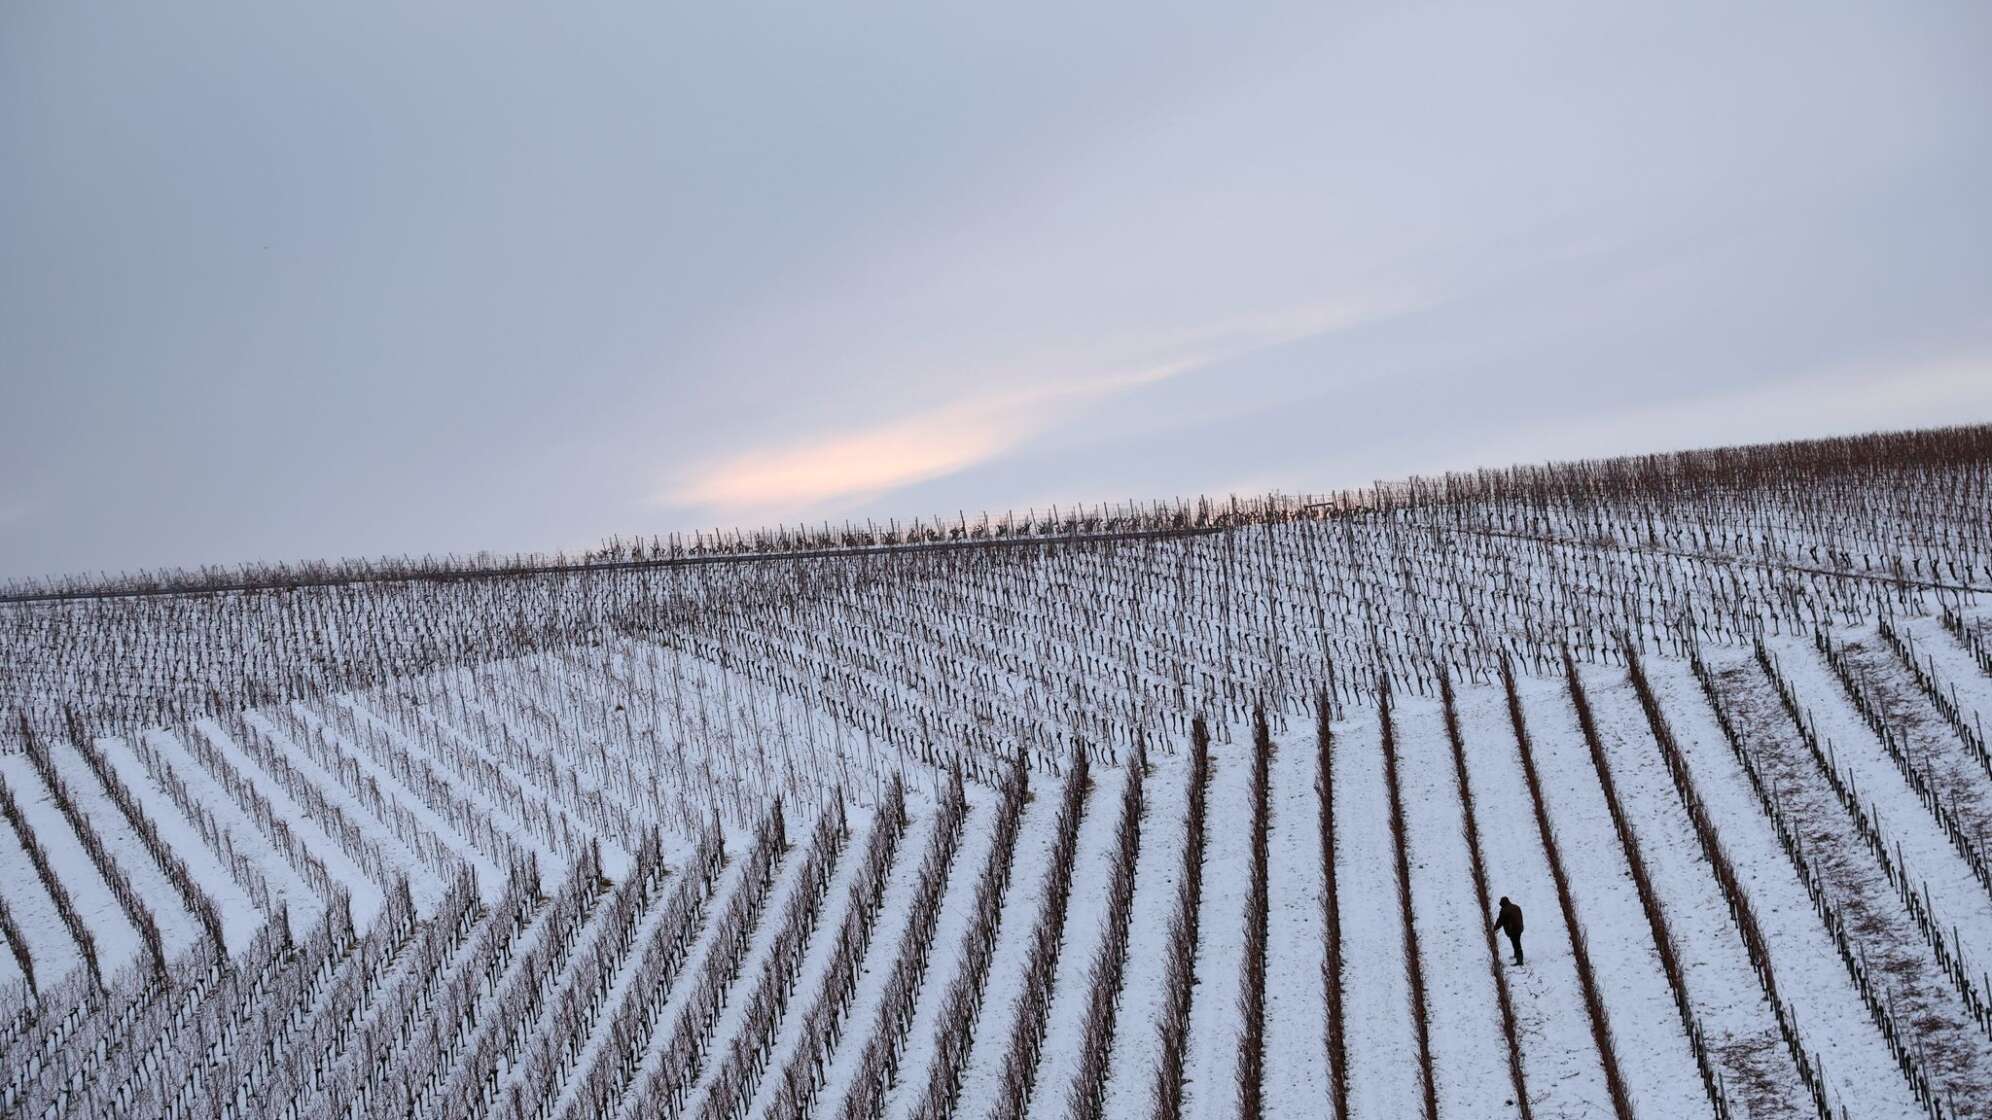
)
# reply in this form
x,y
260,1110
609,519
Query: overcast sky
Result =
x,y
283,280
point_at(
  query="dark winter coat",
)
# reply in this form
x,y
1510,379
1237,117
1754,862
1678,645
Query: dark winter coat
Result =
x,y
1510,921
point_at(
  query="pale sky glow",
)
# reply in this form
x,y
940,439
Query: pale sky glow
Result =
x,y
356,279
874,460
836,471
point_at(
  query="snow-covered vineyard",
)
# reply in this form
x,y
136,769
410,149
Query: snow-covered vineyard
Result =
x,y
1150,811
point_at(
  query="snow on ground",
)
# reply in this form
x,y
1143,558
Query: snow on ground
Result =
x,y
501,819
618,988
596,937
1962,779
117,939
1383,1048
429,818
424,884
1157,878
811,754
612,737
887,944
240,919
400,976
1860,1073
1296,1008
1210,1061
365,893
1560,1064
1469,1051
1005,982
442,734
1957,1055
730,881
1957,898
601,816
177,927
809,977
1957,674
1657,1062
49,942
1562,1073
916,1064
733,1013
1085,928
1758,1076
485,1024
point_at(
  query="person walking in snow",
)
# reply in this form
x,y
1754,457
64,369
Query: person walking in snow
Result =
x,y
1510,923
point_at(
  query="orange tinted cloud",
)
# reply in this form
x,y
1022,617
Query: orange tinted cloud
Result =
x,y
889,455
963,433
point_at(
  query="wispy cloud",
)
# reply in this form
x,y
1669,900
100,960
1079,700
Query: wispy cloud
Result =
x,y
887,456
856,465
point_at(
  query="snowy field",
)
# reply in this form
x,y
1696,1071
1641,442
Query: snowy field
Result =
x,y
1155,814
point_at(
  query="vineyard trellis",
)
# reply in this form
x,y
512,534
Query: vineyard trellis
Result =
x,y
862,820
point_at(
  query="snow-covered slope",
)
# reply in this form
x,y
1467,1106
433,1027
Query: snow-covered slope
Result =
x,y
1148,814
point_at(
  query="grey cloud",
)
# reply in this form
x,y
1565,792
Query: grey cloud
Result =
x,y
388,278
